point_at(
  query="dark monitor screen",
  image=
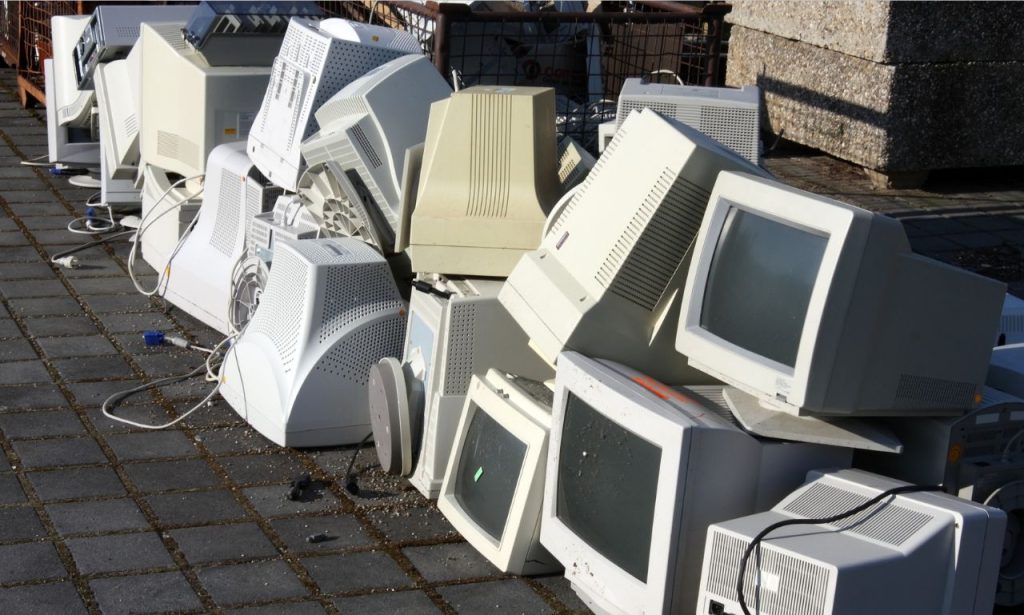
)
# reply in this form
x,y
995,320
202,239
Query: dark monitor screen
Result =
x,y
488,472
759,284
607,486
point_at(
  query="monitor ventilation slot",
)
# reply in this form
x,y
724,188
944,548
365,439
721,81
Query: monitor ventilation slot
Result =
x,y
924,392
650,250
280,315
229,205
352,359
173,146
802,589
489,169
364,143
458,368
736,129
342,306
887,523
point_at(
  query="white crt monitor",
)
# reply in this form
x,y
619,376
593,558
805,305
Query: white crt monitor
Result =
x,y
73,105
365,130
494,483
607,278
188,107
813,306
316,60
118,86
910,553
635,474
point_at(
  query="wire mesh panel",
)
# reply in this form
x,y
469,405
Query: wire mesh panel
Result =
x,y
36,43
585,57
9,29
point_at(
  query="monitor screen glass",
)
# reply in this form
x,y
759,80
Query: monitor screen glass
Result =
x,y
759,284
607,486
488,472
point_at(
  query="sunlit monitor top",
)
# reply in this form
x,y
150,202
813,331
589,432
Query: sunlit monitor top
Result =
x,y
816,306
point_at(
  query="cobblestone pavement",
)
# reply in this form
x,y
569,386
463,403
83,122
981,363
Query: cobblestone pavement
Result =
x,y
99,517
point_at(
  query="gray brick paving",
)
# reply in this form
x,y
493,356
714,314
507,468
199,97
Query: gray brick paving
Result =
x,y
215,493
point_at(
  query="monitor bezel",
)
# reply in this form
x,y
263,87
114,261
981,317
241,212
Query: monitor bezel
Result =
x,y
775,383
603,390
513,412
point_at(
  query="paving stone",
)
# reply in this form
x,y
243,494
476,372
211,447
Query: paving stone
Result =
x,y
196,507
560,587
151,445
15,349
41,424
509,596
17,254
12,170
271,501
106,304
104,286
169,363
33,395
58,452
80,346
218,543
250,469
283,608
12,238
60,325
34,561
98,516
450,562
134,323
163,591
155,476
147,413
20,524
92,368
21,372
95,265
216,413
343,531
251,582
46,223
120,552
8,329
75,483
412,602
26,271
425,523
10,490
241,439
58,239
356,572
46,306
49,598
14,289
95,393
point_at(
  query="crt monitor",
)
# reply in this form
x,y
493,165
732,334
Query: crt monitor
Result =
x,y
612,289
909,553
365,130
637,471
187,107
494,483
812,306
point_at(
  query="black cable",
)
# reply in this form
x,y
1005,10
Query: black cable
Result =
x,y
429,288
85,246
350,481
756,542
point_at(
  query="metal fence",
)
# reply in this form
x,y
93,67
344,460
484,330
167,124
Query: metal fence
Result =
x,y
9,29
585,57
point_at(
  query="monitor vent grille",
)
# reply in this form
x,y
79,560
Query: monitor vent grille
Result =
x,y
279,316
1011,323
459,360
353,293
651,248
802,589
885,522
364,143
229,205
171,33
179,148
131,125
339,108
925,392
608,154
352,356
128,32
489,168
734,128
688,114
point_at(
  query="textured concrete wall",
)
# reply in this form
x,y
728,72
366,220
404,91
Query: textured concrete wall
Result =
x,y
893,32
891,118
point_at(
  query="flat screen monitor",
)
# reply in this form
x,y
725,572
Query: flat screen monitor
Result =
x,y
607,278
813,306
494,482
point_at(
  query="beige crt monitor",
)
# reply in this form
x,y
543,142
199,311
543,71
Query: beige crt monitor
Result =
x,y
608,277
188,107
488,180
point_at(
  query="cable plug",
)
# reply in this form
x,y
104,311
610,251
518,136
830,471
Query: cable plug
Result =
x,y
180,342
153,338
68,262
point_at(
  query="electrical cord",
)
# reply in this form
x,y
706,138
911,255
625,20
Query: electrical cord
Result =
x,y
62,258
756,542
350,480
143,226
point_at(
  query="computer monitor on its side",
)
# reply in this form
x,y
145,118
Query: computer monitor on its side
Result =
x,y
637,471
607,278
494,484
812,306
71,135
188,107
